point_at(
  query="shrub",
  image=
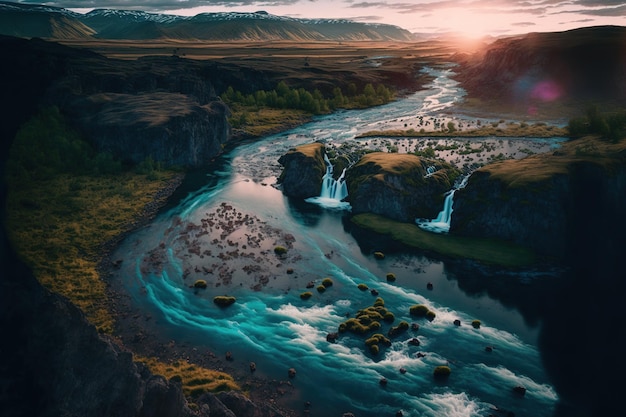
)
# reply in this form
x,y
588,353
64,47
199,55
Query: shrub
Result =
x,y
224,300
442,371
280,250
391,277
327,282
306,295
476,324
200,284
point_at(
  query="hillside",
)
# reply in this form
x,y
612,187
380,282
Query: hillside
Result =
x,y
29,21
540,70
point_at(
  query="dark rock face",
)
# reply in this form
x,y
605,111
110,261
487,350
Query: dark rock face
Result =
x,y
394,185
132,127
163,108
581,63
532,216
546,214
54,362
303,170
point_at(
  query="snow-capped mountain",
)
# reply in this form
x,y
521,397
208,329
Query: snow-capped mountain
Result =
x,y
17,19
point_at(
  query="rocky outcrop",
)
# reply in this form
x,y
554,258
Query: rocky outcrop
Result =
x,y
304,168
550,67
54,362
542,201
396,186
171,128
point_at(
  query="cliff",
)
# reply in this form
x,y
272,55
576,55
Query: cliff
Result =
x,y
304,168
164,108
395,186
543,68
171,128
542,201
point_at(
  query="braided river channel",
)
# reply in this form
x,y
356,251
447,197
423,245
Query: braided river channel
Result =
x,y
224,231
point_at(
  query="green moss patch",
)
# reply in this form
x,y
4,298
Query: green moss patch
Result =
x,y
487,251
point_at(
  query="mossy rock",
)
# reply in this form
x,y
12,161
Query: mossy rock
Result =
x,y
377,339
379,255
280,250
306,295
224,300
476,324
200,284
442,371
374,349
363,287
391,277
430,316
402,327
327,282
379,302
321,288
389,317
418,310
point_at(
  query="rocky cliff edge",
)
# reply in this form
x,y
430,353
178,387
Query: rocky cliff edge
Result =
x,y
548,201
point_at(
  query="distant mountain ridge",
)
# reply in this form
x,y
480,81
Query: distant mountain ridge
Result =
x,y
27,21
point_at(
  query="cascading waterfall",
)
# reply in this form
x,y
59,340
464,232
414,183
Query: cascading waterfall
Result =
x,y
333,191
441,224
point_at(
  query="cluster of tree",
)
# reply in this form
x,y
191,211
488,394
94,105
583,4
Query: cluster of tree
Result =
x,y
285,97
611,126
46,146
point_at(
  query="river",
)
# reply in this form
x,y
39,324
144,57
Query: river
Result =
x,y
224,233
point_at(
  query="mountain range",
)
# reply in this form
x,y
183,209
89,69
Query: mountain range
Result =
x,y
28,21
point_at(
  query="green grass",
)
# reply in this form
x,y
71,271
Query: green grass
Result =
x,y
196,380
59,226
487,251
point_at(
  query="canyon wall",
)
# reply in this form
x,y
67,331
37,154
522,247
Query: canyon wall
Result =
x,y
547,201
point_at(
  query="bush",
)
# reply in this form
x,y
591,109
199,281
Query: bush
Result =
x,y
306,295
224,300
327,282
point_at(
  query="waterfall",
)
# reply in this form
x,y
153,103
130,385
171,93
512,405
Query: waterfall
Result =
x,y
333,191
442,223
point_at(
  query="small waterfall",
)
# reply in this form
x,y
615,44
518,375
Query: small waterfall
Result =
x,y
442,223
333,191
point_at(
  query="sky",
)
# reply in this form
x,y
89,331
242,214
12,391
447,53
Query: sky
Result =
x,y
472,18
